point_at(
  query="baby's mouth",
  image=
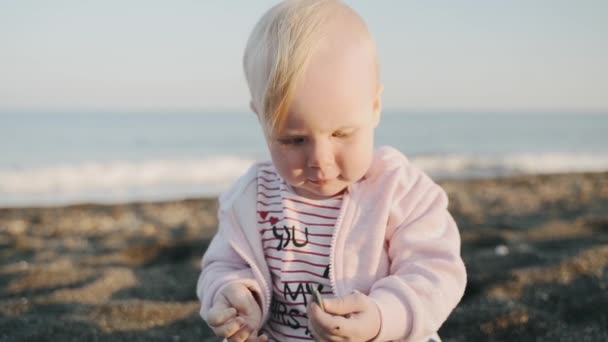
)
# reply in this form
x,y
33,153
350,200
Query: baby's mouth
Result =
x,y
318,181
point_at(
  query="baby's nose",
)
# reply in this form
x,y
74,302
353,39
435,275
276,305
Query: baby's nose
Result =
x,y
320,156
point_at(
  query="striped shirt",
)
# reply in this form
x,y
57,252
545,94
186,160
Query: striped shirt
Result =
x,y
296,235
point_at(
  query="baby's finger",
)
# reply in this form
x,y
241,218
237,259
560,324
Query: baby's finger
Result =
x,y
261,338
324,326
219,315
242,301
241,335
346,305
230,328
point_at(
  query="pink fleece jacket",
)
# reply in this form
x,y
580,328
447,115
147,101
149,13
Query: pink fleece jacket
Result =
x,y
394,241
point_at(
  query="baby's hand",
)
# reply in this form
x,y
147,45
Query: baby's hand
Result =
x,y
236,315
355,317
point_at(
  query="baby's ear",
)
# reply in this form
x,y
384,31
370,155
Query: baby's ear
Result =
x,y
378,105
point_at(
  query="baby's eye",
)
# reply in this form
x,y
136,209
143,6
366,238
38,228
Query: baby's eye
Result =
x,y
340,134
291,141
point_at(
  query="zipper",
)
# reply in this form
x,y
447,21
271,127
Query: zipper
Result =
x,y
332,252
258,273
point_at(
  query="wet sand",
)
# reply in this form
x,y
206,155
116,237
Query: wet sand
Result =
x,y
536,249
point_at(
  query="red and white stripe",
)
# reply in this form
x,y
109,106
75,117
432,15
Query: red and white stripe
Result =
x,y
296,235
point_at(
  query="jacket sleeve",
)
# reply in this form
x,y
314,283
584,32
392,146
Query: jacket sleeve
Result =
x,y
427,276
221,264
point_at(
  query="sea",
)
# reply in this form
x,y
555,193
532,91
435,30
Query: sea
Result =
x,y
49,159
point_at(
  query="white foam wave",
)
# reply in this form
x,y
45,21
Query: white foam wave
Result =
x,y
466,166
124,181
119,181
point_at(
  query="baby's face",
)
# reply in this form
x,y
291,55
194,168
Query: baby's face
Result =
x,y
326,141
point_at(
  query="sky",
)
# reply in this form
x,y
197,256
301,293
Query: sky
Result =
x,y
185,55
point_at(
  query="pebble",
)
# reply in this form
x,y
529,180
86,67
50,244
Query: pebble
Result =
x,y
501,250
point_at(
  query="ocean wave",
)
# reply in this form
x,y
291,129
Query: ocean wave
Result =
x,y
118,181
124,181
468,166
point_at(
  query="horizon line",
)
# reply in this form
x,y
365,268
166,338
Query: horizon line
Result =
x,y
233,111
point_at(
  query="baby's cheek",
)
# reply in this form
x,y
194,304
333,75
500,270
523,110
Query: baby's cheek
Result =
x,y
356,164
286,163
293,168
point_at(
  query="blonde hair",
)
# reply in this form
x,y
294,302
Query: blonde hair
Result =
x,y
278,51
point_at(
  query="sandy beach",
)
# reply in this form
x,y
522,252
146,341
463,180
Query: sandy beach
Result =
x,y
536,249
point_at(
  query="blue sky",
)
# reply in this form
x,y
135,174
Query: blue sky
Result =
x,y
111,55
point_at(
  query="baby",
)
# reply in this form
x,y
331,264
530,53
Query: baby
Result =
x,y
330,214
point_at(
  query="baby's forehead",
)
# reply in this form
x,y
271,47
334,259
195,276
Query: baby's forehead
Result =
x,y
340,68
303,121
341,75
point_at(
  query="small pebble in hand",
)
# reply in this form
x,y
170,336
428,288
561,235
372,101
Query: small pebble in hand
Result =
x,y
316,296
